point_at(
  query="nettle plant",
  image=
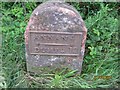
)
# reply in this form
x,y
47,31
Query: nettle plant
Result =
x,y
101,56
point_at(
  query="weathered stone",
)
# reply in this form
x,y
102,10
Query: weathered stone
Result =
x,y
55,38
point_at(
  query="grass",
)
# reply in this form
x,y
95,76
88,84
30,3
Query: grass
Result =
x,y
100,66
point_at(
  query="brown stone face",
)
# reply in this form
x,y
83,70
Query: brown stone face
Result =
x,y
55,37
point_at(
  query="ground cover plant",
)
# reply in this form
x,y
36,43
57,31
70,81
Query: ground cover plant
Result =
x,y
100,66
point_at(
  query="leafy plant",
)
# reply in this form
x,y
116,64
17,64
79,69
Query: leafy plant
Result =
x,y
101,56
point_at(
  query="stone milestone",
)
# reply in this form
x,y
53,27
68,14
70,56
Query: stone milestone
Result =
x,y
55,38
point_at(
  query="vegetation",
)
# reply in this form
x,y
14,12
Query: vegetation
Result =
x,y
100,66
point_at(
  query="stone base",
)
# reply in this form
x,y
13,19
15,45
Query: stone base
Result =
x,y
49,64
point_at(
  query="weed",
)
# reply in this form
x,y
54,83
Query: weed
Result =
x,y
101,56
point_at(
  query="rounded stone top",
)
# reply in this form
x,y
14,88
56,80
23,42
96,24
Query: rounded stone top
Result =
x,y
56,16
